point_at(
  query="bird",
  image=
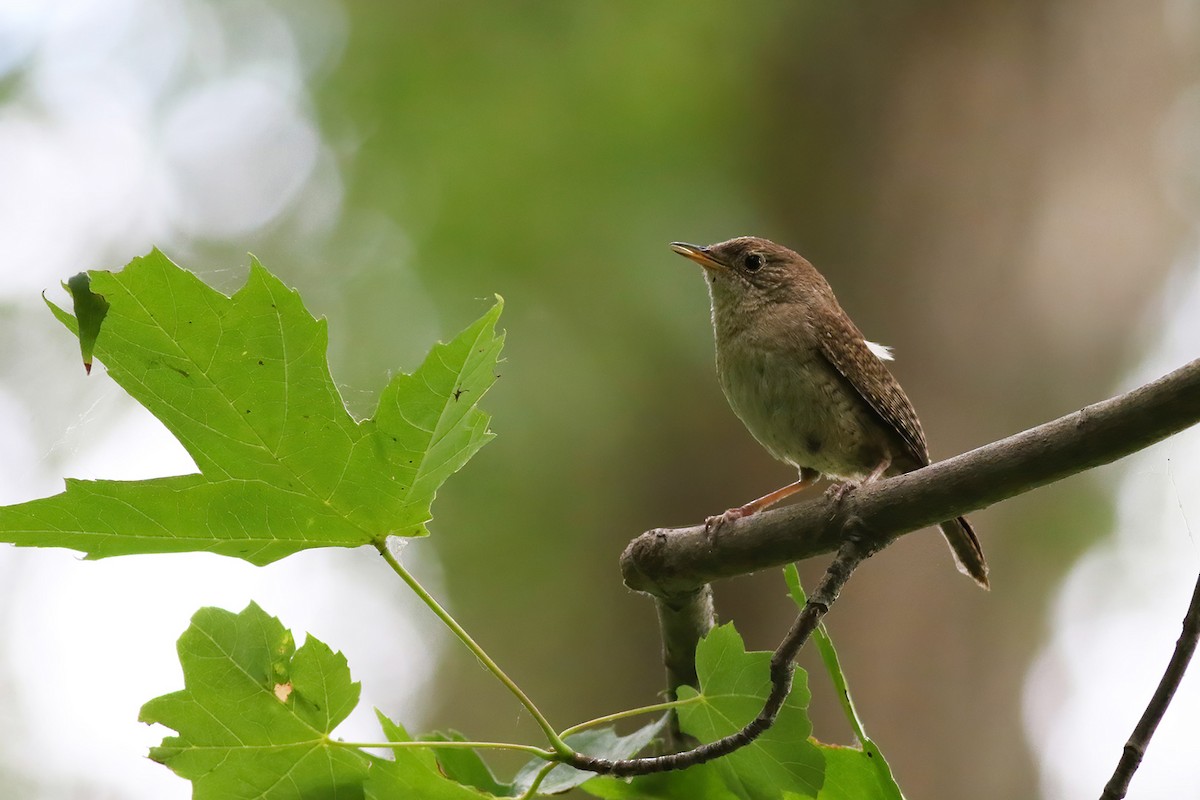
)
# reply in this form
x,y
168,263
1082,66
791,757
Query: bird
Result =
x,y
807,384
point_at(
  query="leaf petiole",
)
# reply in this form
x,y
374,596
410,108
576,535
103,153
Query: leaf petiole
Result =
x,y
537,782
539,752
829,657
556,743
633,712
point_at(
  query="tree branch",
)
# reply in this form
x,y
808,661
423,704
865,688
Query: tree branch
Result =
x,y
675,565
853,551
684,621
671,562
1135,748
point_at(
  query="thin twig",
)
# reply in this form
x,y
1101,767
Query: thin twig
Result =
x,y
1135,748
855,548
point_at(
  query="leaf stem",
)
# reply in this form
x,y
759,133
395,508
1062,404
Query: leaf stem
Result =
x,y
559,746
829,657
537,781
633,712
540,752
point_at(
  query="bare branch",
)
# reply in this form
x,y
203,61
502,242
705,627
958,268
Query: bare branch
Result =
x,y
1135,748
684,621
672,562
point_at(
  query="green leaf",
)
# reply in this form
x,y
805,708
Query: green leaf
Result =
x,y
255,715
701,782
90,310
734,684
598,742
243,383
852,772
466,766
785,763
782,762
411,773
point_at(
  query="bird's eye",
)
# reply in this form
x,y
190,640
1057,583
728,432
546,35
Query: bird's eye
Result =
x,y
754,262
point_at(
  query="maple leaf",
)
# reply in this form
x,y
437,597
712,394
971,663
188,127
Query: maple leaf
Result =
x,y
243,383
239,739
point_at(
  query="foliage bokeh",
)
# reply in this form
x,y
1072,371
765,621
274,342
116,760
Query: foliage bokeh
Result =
x,y
980,188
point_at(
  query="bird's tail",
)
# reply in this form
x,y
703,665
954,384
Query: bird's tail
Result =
x,y
967,552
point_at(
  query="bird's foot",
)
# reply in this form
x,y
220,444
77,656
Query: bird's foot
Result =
x,y
717,521
838,492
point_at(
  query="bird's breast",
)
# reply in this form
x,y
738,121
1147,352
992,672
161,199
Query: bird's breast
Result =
x,y
799,407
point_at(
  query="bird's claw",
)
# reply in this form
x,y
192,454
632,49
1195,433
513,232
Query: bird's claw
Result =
x,y
715,522
838,492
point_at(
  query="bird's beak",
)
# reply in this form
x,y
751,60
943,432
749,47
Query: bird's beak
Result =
x,y
701,255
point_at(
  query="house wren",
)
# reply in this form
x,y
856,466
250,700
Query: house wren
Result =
x,y
810,388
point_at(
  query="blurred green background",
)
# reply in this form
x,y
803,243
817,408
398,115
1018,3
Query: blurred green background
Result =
x,y
990,188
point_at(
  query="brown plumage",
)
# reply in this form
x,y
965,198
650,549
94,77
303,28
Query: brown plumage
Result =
x,y
806,383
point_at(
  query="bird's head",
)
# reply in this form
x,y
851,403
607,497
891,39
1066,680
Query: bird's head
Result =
x,y
750,271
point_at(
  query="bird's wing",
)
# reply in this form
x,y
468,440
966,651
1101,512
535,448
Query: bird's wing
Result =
x,y
844,346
